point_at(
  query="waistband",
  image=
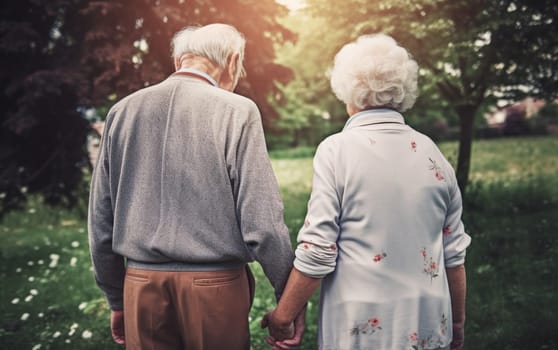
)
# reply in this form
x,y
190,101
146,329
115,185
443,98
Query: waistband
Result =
x,y
184,266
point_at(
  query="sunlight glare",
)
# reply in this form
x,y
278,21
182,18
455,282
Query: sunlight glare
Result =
x,y
293,5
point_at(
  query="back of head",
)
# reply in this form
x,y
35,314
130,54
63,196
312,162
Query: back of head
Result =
x,y
374,71
216,42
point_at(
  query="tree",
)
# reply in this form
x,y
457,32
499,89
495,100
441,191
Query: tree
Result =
x,y
307,110
42,133
128,46
472,52
60,57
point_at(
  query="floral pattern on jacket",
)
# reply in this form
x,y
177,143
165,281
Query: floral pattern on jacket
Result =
x,y
370,327
417,342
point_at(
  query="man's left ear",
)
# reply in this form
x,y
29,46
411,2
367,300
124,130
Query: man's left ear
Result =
x,y
176,63
232,65
228,81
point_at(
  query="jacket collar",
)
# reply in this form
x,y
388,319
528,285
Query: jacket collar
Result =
x,y
374,116
195,73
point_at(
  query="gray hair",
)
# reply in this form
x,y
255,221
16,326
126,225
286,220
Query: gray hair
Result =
x,y
215,42
374,71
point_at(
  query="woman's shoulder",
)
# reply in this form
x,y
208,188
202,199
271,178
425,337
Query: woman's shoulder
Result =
x,y
330,144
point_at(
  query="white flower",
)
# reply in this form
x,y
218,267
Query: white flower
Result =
x,y
2,195
40,262
73,328
15,300
75,244
28,298
36,347
32,211
33,292
30,263
73,261
86,334
18,270
23,190
82,305
68,341
31,279
56,334
24,317
53,260
40,315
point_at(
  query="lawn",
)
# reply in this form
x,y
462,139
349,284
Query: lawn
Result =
x,y
49,300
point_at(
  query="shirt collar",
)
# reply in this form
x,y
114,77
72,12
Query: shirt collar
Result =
x,y
374,116
197,73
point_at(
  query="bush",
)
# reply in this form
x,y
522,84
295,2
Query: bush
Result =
x,y
529,194
293,153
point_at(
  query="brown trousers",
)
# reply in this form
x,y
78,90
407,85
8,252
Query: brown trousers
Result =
x,y
187,310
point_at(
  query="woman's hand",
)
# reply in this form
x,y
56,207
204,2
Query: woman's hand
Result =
x,y
278,330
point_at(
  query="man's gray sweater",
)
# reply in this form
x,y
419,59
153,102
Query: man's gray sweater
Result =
x,y
183,176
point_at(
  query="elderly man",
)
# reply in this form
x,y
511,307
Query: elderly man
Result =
x,y
183,196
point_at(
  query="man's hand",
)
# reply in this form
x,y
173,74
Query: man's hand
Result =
x,y
300,326
458,337
117,326
277,330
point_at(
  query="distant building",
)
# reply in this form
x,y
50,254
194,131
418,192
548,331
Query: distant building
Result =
x,y
526,108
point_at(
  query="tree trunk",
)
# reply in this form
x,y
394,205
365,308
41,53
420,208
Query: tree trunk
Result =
x,y
466,115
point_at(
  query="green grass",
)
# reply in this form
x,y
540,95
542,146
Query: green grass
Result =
x,y
45,274
511,210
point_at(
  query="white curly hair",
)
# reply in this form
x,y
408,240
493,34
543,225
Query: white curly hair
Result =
x,y
374,71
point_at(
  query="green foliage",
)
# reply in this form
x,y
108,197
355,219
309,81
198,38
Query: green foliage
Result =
x,y
48,293
549,111
292,153
531,194
308,110
471,53
511,280
63,57
42,135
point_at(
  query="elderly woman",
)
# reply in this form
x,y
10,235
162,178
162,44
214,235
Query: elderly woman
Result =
x,y
383,233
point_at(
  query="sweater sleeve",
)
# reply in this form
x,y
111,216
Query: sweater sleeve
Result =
x,y
455,239
108,267
316,254
259,206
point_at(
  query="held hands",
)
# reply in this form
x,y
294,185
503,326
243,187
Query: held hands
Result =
x,y
284,335
117,326
277,330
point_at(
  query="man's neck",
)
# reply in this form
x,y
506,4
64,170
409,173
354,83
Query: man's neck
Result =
x,y
201,64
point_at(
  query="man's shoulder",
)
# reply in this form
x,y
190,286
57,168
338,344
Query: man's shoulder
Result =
x,y
234,100
219,97
137,96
